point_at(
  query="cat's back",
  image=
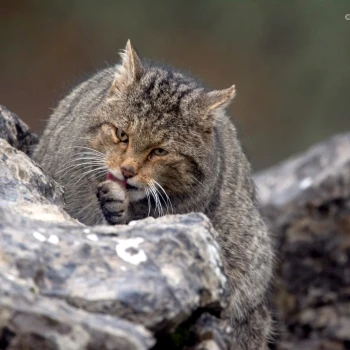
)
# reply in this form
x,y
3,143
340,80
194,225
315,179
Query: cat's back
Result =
x,y
234,167
227,141
67,122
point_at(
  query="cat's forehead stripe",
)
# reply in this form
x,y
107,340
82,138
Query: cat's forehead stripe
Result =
x,y
165,90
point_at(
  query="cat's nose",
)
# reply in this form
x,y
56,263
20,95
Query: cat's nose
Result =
x,y
128,171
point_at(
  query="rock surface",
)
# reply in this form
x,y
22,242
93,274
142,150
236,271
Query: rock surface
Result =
x,y
30,321
16,132
146,285
306,201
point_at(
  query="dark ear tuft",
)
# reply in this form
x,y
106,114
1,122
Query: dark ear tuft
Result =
x,y
130,69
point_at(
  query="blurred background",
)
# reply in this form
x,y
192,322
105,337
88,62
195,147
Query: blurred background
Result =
x,y
290,60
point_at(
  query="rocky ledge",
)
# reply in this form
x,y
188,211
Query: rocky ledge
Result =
x,y
306,201
159,284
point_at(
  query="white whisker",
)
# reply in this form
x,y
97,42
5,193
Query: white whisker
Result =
x,y
166,204
156,198
166,195
148,200
80,177
193,178
158,202
88,157
89,149
78,166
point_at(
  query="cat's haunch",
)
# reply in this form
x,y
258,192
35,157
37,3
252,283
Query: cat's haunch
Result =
x,y
138,140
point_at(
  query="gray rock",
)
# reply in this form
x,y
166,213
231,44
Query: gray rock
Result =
x,y
67,286
16,132
307,203
30,321
25,191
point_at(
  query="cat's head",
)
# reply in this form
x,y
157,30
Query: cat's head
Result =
x,y
155,128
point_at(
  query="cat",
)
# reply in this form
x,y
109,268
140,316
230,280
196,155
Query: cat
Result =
x,y
138,140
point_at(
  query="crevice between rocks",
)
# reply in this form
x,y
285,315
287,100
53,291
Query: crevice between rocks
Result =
x,y
6,336
184,336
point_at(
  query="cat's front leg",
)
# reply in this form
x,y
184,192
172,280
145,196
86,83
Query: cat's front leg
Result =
x,y
114,202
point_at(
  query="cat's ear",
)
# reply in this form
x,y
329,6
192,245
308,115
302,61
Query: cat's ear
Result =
x,y
218,100
130,69
214,103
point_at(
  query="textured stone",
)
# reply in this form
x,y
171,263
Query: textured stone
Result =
x,y
64,285
307,203
25,191
30,321
16,132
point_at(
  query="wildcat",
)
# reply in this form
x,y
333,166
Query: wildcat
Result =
x,y
138,140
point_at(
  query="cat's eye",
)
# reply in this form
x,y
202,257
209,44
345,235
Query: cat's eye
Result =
x,y
122,136
160,152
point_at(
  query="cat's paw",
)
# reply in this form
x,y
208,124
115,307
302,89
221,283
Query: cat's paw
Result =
x,y
114,202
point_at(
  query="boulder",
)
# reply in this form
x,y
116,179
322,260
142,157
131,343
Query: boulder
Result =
x,y
306,201
16,132
147,285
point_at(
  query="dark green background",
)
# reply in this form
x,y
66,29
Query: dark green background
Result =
x,y
290,60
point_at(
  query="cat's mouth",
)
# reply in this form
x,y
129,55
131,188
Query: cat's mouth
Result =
x,y
123,183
